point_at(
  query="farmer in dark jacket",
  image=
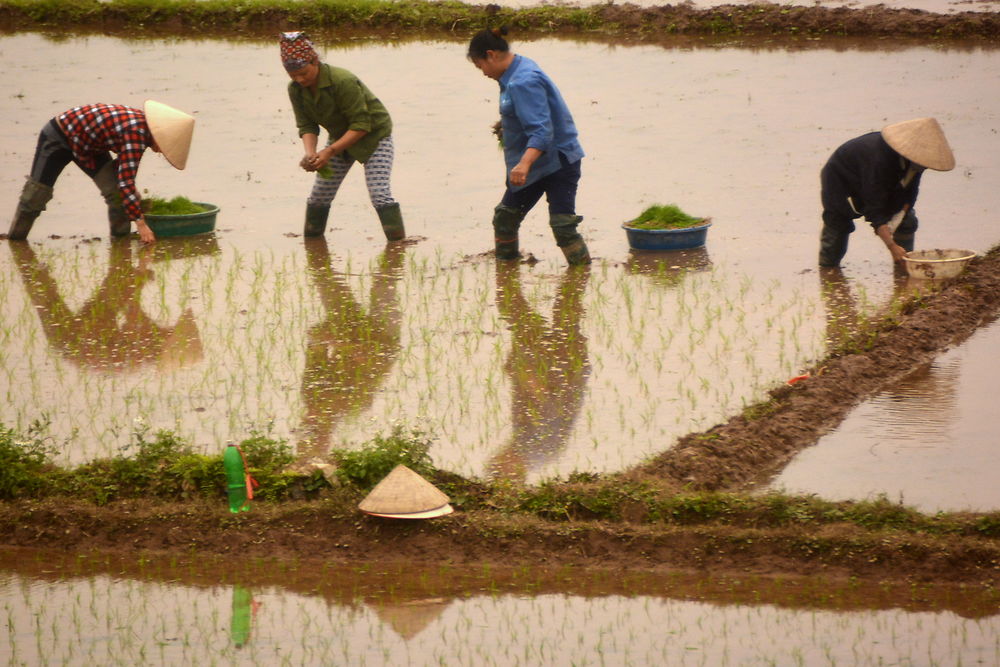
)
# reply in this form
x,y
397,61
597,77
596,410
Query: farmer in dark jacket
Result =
x,y
877,175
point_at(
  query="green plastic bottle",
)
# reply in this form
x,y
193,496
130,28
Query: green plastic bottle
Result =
x,y
236,479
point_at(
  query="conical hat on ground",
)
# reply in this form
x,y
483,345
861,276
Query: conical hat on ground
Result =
x,y
172,129
403,494
922,141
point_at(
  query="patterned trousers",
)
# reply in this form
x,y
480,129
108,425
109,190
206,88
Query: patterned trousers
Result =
x,y
378,173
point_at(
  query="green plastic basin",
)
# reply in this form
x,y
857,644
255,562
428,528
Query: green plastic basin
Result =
x,y
184,225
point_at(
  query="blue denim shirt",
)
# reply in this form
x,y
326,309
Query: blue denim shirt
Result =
x,y
534,115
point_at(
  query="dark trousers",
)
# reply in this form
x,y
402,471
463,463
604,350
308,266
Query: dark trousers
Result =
x,y
53,153
838,222
558,187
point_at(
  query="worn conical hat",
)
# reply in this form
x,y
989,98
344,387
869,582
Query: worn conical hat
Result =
x,y
172,130
404,494
922,141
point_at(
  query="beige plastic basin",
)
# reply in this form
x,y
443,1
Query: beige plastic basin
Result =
x,y
937,264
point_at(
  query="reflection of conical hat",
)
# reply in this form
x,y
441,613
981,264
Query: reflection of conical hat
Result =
x,y
172,130
183,344
922,141
404,494
409,619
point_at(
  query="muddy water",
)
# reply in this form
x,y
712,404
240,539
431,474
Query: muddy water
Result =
x,y
937,6
87,609
929,440
528,372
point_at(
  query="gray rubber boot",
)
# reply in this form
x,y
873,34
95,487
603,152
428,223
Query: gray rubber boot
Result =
x,y
832,247
573,246
34,197
107,182
316,217
392,222
506,223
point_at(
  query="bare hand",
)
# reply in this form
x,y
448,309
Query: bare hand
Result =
x,y
308,162
898,253
146,234
519,174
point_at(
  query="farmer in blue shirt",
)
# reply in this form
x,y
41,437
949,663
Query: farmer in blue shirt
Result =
x,y
541,150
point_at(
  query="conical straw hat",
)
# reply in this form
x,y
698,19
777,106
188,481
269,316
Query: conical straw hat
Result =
x,y
404,494
172,130
922,141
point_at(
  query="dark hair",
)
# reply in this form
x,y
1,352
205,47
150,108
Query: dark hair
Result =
x,y
487,40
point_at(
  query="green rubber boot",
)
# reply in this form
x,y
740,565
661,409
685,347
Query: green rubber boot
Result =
x,y
316,217
506,223
568,239
392,222
34,197
107,182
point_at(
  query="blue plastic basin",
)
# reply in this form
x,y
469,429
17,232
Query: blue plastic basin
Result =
x,y
667,239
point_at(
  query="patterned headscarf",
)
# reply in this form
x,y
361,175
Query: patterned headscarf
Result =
x,y
297,51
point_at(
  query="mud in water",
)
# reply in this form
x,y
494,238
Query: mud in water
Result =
x,y
528,373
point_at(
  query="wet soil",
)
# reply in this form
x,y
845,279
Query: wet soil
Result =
x,y
734,457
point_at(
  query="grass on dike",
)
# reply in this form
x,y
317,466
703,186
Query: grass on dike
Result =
x,y
160,465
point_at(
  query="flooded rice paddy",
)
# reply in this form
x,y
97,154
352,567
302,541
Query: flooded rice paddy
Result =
x,y
528,371
87,610
929,440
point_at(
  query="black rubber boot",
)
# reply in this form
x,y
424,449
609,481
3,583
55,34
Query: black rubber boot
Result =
x,y
506,223
568,239
392,222
906,232
832,246
316,217
905,241
34,197
107,182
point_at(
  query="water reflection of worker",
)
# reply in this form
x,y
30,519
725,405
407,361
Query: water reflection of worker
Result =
x,y
110,332
844,319
877,175
87,135
359,128
541,151
348,354
548,368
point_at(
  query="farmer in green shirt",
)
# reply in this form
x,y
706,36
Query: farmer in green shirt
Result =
x,y
359,128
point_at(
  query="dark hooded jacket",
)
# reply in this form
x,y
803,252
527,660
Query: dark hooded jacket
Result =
x,y
868,171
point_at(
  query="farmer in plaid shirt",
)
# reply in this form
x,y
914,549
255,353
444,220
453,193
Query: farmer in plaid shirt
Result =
x,y
88,135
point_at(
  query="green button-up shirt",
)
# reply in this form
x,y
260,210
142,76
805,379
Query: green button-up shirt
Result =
x,y
341,103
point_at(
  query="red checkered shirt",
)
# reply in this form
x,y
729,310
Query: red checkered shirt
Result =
x,y
94,129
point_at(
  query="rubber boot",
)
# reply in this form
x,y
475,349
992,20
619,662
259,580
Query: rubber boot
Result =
x,y
316,217
34,197
906,233
832,246
107,182
392,222
573,246
905,241
506,223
